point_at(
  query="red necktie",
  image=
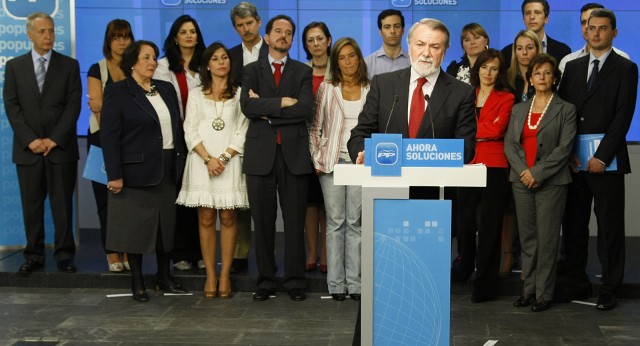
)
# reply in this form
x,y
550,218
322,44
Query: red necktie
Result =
x,y
277,73
417,108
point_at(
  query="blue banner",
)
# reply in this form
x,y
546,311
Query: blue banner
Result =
x,y
412,242
15,42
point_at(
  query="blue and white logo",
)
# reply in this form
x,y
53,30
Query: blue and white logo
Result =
x,y
386,153
171,2
401,3
21,9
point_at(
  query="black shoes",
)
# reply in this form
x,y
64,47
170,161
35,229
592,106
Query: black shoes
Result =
x,y
540,305
67,266
606,302
297,294
523,301
263,294
339,296
29,266
141,296
169,286
239,265
355,296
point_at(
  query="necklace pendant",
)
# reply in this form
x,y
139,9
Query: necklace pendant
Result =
x,y
217,124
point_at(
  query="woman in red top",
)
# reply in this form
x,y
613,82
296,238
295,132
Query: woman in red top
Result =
x,y
493,108
538,143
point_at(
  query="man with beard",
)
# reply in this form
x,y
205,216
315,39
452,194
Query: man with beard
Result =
x,y
451,102
246,22
277,98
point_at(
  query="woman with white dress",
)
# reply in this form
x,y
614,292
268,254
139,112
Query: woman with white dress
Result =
x,y
213,181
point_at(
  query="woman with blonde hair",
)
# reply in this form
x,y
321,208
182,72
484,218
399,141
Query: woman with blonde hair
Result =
x,y
526,45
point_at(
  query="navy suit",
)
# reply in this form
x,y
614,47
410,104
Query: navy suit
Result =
x,y
272,167
51,114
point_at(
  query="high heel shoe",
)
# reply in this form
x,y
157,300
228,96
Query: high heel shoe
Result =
x,y
225,293
169,286
125,262
115,266
210,294
323,268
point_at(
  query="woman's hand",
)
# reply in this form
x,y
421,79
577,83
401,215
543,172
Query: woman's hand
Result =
x,y
215,167
115,186
527,179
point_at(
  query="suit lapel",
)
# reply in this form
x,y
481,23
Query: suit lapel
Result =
x,y
436,102
141,100
605,69
52,70
400,112
30,74
267,75
551,113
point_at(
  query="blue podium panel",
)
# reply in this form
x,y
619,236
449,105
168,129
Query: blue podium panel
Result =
x,y
411,287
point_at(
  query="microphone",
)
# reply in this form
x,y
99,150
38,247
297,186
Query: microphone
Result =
x,y
395,99
433,131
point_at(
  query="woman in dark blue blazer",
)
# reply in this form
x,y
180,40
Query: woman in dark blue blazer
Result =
x,y
144,154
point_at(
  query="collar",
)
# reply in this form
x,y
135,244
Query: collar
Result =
x,y
256,47
432,78
35,56
544,41
602,58
272,60
381,52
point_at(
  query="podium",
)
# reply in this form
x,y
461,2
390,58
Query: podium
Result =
x,y
411,290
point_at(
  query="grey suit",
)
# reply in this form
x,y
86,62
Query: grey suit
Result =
x,y
540,210
51,114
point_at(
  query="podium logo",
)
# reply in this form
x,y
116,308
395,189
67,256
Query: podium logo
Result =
x,y
171,2
386,154
401,3
21,9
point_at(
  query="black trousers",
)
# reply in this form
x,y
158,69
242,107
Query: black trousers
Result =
x,y
481,210
264,191
99,193
607,194
57,181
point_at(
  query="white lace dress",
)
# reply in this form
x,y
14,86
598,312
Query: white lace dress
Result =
x,y
225,191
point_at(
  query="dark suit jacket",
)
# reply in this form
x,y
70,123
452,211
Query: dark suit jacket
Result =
x,y
608,108
451,103
555,137
555,48
260,144
237,59
131,136
52,114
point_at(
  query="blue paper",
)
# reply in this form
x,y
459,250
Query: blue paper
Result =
x,y
94,167
585,148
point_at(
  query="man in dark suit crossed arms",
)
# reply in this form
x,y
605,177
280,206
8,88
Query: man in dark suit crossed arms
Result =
x,y
603,86
42,99
277,98
535,15
246,22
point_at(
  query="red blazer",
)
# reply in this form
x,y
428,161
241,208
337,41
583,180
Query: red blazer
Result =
x,y
492,124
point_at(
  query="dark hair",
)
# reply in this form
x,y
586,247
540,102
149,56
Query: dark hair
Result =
x,y
115,28
310,26
243,10
278,17
387,13
205,74
172,50
484,57
336,75
130,55
545,5
590,6
604,13
542,59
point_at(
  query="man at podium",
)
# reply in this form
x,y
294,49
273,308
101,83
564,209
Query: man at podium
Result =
x,y
420,101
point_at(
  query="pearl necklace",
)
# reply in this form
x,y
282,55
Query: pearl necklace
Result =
x,y
533,127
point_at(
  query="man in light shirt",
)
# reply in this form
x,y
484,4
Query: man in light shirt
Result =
x,y
585,12
390,57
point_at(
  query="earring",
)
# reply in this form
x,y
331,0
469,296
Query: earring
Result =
x,y
486,47
208,69
176,43
131,68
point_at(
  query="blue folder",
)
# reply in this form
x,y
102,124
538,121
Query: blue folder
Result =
x,y
94,167
585,148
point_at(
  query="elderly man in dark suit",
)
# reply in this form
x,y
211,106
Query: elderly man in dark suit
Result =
x,y
451,102
277,98
42,100
246,22
603,86
535,15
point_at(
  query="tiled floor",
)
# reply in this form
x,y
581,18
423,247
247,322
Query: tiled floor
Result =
x,y
51,308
